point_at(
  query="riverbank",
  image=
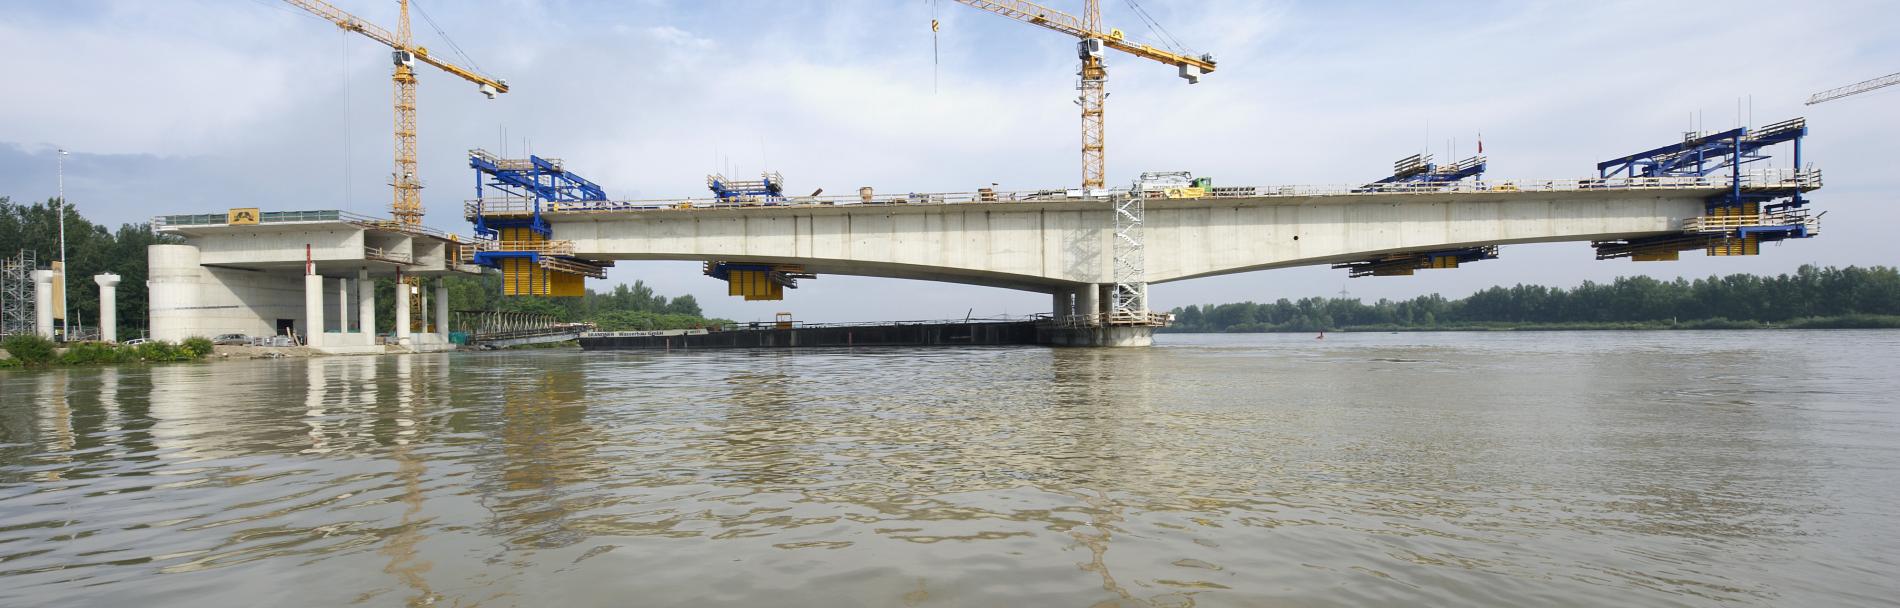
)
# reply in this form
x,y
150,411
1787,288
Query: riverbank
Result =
x,y
38,353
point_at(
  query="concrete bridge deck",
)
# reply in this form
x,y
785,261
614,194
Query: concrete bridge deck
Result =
x,y
1056,241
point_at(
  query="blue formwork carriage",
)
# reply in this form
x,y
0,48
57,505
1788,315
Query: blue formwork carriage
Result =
x,y
768,189
532,183
1419,171
1779,198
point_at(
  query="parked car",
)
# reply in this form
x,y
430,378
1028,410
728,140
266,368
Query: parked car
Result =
x,y
231,340
133,342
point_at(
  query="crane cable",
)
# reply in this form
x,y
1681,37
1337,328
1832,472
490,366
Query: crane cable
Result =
x,y
1166,38
934,25
445,37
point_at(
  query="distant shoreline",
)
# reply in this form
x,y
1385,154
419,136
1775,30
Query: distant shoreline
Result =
x,y
1833,322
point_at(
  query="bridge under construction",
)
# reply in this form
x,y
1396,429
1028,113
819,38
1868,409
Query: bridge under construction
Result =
x,y
1096,252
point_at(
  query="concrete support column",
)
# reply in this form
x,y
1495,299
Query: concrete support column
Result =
x,y
1061,307
1086,301
313,309
108,306
43,303
366,306
343,306
422,312
402,312
442,308
1105,294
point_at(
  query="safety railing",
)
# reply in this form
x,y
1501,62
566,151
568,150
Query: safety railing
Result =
x,y
500,205
267,217
1805,180
1726,223
387,255
1104,319
544,247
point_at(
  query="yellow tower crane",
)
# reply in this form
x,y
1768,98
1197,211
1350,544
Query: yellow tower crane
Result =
x,y
406,206
1094,73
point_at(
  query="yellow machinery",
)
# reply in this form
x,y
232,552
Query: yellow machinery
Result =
x,y
757,281
1094,73
540,275
406,207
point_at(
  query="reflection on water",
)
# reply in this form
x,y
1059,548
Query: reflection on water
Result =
x,y
1674,468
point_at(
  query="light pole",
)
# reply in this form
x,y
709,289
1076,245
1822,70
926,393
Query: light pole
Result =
x,y
66,310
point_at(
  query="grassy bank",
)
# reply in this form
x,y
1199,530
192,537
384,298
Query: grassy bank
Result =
x,y
35,351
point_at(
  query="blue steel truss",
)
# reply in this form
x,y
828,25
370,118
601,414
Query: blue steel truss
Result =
x,y
770,187
1699,155
534,179
1419,169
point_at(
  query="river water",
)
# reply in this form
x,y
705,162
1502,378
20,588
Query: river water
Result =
x,y
1504,469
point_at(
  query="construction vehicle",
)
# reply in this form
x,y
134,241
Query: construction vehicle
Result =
x,y
1172,184
1093,83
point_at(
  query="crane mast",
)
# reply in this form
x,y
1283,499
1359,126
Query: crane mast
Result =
x,y
406,203
1092,82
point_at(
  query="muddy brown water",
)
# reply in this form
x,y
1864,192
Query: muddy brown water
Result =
x,y
1502,469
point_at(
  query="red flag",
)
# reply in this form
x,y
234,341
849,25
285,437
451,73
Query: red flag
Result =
x,y
1480,143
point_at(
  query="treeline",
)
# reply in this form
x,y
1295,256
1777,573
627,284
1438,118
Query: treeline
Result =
x,y
90,249
624,308
1810,297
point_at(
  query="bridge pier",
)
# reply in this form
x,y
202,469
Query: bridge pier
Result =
x,y
366,306
1112,335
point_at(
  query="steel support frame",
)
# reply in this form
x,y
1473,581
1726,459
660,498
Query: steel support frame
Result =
x,y
18,314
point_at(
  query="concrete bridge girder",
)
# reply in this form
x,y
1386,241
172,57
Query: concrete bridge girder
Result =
x,y
1060,247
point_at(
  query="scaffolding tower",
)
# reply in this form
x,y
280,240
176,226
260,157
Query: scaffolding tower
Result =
x,y
17,304
1130,303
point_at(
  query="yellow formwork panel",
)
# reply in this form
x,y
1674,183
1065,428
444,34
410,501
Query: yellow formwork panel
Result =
x,y
1656,256
1444,262
1749,245
567,284
753,285
520,277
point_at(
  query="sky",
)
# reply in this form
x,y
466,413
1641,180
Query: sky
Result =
x,y
195,106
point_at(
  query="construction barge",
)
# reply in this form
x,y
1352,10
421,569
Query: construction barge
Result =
x,y
788,334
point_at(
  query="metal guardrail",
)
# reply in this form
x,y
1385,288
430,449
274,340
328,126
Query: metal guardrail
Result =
x,y
378,253
1771,179
544,247
162,222
267,217
1105,319
1726,223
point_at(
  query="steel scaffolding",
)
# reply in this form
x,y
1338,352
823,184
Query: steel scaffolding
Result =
x,y
1130,299
17,305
